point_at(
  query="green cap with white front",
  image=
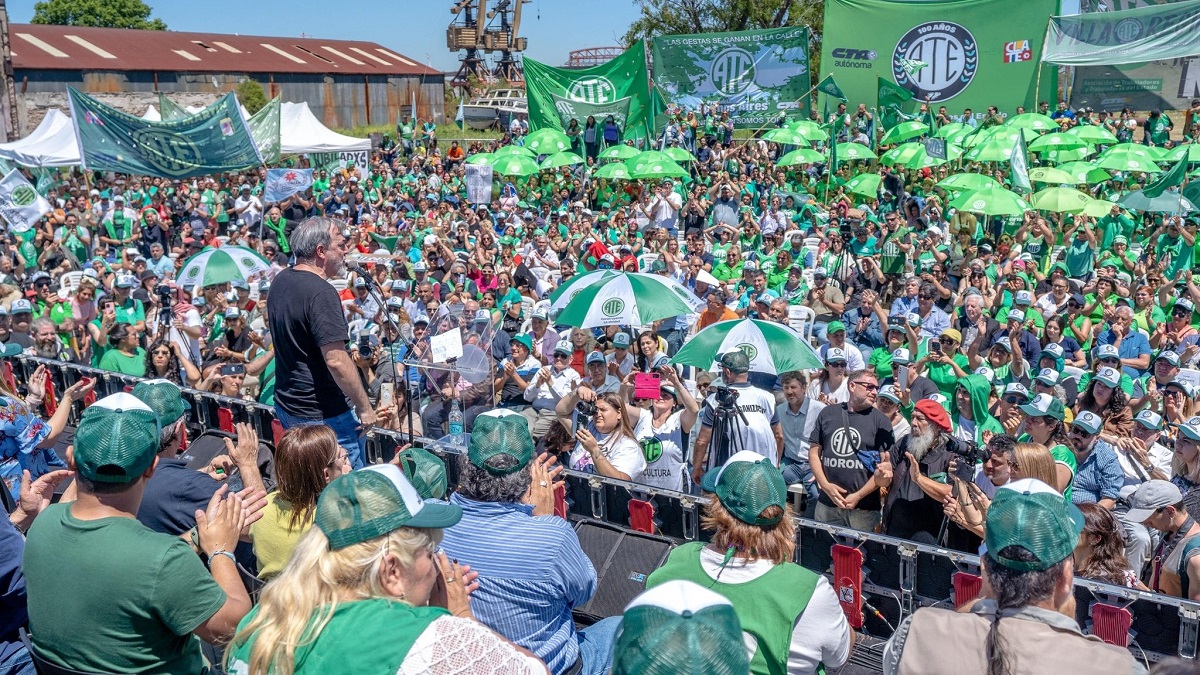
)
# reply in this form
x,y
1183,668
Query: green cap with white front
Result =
x,y
426,471
747,485
1030,514
369,503
164,398
116,440
680,627
500,433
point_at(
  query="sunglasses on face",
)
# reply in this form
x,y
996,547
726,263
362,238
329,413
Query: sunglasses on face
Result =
x,y
1013,400
867,385
946,341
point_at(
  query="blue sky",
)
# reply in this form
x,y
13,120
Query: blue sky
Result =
x,y
415,28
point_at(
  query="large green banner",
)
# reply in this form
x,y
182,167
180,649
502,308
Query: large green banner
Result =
x,y
264,128
553,92
756,75
213,140
1169,84
1152,33
976,52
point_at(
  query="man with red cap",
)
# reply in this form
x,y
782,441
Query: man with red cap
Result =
x,y
918,477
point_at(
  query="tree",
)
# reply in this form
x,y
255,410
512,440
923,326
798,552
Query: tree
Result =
x,y
667,17
250,93
97,13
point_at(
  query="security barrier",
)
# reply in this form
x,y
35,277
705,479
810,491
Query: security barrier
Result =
x,y
895,576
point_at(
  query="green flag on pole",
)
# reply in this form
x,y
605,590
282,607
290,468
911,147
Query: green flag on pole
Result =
x,y
214,140
1170,179
264,128
1019,161
830,88
891,99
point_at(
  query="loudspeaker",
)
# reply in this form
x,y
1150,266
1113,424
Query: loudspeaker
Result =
x,y
623,559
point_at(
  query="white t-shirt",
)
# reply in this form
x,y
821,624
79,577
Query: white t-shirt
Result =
x,y
623,452
821,634
839,395
759,408
189,345
663,449
854,358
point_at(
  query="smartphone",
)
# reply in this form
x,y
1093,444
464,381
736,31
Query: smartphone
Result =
x,y
387,394
935,348
85,380
902,376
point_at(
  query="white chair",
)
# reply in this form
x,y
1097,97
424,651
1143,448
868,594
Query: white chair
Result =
x,y
801,318
1191,376
339,285
70,281
1073,373
812,242
645,260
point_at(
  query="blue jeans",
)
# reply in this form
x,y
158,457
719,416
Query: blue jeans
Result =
x,y
596,644
346,427
820,332
20,663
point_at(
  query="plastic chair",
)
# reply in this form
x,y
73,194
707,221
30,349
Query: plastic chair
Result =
x,y
645,260
339,284
1073,373
801,318
70,280
1191,376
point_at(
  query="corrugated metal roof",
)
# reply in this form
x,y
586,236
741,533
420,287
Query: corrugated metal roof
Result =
x,y
41,47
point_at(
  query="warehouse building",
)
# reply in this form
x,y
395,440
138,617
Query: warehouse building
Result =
x,y
345,83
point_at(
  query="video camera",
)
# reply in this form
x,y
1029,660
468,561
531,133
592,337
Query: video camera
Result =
x,y
969,450
585,412
726,396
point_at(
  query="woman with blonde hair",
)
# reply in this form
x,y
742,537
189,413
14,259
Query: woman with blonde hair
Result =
x,y
307,459
367,591
748,560
1026,460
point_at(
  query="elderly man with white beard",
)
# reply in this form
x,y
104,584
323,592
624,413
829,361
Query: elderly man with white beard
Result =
x,y
920,479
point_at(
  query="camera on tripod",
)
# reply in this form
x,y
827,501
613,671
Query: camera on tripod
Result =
x,y
972,452
164,295
585,412
726,397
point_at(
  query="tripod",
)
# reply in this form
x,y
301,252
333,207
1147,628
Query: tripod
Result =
x,y
728,420
374,291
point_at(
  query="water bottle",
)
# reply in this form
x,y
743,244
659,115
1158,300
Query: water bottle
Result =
x,y
456,424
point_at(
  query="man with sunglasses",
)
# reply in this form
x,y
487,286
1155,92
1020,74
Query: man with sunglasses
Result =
x,y
1098,475
1132,346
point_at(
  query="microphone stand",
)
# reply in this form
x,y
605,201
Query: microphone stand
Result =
x,y
374,291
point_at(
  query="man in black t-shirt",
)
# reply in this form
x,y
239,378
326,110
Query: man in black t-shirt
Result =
x,y
314,372
847,444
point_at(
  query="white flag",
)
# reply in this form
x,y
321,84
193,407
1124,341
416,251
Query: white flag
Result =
x,y
20,204
479,183
1019,161
283,183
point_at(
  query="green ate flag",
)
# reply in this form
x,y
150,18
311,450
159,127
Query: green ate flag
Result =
x,y
1170,179
829,87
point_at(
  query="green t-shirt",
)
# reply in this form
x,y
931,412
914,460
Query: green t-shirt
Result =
x,y
113,596
131,312
881,361
892,259
389,626
116,361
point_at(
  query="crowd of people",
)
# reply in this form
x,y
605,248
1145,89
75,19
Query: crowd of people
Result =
x,y
980,376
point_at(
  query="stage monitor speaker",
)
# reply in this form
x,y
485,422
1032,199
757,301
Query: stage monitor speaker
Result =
x,y
623,559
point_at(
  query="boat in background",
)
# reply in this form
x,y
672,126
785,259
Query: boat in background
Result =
x,y
495,109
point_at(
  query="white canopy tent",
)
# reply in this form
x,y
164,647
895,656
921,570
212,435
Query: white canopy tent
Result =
x,y
51,144
152,115
300,132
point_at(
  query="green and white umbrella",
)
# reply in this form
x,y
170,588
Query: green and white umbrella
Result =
x,y
772,348
514,150
561,159
801,156
515,165
1073,155
1049,174
948,130
614,171
809,129
968,181
679,154
1034,121
1094,135
1127,160
567,292
547,141
995,150
1167,202
221,265
629,299
658,168
865,184
481,158
991,201
621,152
786,136
853,151
1084,172
1060,200
1192,150
1008,135
1098,208
1057,141
905,131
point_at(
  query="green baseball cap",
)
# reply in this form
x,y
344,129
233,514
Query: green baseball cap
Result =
x,y
680,627
1044,405
1030,514
736,361
525,339
116,440
164,398
499,433
835,326
425,470
369,503
747,484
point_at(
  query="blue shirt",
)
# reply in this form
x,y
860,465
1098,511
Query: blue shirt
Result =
x,y
13,610
21,431
1132,346
1098,477
532,572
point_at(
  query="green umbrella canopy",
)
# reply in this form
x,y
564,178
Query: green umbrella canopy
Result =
x,y
854,151
515,165
1068,155
614,171
1057,141
679,154
518,150
905,131
771,348
561,159
619,152
1084,172
786,136
801,156
1034,121
998,150
1192,150
991,201
1092,134
1127,160
1098,208
1059,200
865,184
968,181
547,141
659,168
809,129
214,266
1045,174
481,158
948,130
